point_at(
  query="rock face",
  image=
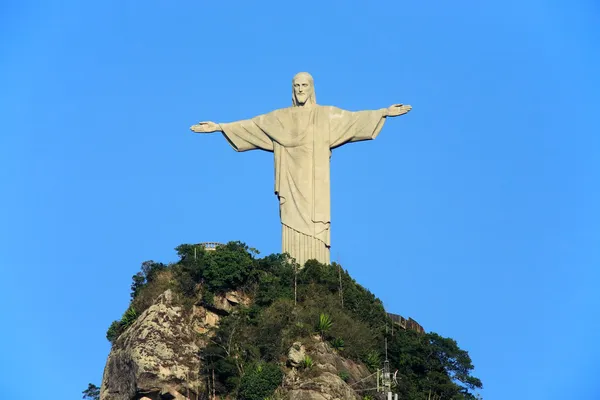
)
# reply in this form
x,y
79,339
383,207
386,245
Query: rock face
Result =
x,y
326,386
156,357
323,382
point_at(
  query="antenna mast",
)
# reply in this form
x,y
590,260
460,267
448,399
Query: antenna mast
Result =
x,y
386,377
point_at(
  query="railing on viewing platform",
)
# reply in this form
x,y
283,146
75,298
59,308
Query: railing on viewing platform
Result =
x,y
406,323
210,246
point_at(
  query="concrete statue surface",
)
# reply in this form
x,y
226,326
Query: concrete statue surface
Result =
x,y
301,138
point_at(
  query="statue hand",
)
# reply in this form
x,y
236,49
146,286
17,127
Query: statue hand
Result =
x,y
205,127
398,109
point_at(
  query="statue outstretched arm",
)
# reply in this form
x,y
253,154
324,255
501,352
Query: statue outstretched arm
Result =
x,y
206,127
242,135
347,126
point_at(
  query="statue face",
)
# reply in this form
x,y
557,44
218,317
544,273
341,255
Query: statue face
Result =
x,y
302,89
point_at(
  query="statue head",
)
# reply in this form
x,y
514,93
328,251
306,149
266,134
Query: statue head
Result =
x,y
303,90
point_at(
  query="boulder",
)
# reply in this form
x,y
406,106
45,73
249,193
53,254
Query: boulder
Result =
x,y
224,304
326,386
296,355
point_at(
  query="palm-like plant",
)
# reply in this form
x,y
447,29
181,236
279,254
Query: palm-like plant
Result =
x,y
129,317
324,324
308,362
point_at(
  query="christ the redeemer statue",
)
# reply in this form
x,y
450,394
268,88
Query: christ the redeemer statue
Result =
x,y
301,138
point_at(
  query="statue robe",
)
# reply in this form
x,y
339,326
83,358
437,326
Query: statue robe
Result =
x,y
301,139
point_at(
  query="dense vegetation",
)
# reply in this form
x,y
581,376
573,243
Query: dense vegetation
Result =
x,y
290,304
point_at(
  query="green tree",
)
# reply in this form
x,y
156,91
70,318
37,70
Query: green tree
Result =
x,y
151,269
260,382
228,267
429,363
455,362
373,360
139,281
113,332
272,328
92,392
148,273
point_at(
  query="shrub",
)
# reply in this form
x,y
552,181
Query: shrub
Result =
x,y
113,332
208,297
344,375
186,284
273,325
117,327
161,281
338,344
148,273
261,382
372,360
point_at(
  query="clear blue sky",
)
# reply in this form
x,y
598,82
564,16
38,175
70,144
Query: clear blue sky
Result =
x,y
478,214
